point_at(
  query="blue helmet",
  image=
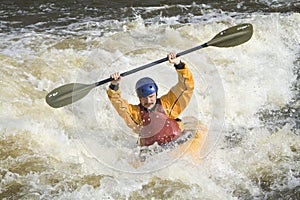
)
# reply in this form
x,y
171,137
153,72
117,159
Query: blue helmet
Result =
x,y
145,86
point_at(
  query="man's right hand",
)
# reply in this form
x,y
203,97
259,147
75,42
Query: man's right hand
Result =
x,y
117,78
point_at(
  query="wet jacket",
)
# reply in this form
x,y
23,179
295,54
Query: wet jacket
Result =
x,y
174,102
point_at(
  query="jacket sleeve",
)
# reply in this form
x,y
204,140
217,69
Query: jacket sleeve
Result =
x,y
177,99
130,113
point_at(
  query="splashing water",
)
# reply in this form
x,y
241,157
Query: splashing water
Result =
x,y
247,96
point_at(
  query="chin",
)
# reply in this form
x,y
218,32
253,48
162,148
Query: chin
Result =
x,y
149,106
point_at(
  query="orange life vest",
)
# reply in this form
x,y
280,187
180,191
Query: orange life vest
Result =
x,y
157,126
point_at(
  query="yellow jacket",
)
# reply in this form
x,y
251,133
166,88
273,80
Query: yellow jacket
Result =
x,y
174,102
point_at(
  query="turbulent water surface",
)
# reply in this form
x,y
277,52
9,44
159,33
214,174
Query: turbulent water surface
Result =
x,y
248,97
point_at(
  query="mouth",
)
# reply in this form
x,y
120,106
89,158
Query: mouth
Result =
x,y
147,105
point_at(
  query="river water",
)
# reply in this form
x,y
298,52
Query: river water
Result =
x,y
248,97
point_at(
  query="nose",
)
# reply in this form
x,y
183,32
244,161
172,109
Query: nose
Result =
x,y
148,99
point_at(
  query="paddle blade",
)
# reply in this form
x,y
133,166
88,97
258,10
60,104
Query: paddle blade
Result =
x,y
233,36
68,94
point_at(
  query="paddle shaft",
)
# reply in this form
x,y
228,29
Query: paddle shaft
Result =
x,y
151,64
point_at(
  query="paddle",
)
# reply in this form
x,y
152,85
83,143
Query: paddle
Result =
x,y
73,92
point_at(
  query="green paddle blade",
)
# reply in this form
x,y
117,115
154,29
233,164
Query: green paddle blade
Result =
x,y
68,94
233,36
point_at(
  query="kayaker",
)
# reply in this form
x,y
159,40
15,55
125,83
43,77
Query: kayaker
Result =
x,y
155,119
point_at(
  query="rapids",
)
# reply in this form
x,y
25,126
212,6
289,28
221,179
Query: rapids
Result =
x,y
248,96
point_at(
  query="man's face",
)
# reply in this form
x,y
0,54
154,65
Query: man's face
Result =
x,y
148,101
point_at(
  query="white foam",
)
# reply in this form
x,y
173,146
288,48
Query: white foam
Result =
x,y
255,75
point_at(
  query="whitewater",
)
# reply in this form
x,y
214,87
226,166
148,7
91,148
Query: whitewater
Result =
x,y
248,97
